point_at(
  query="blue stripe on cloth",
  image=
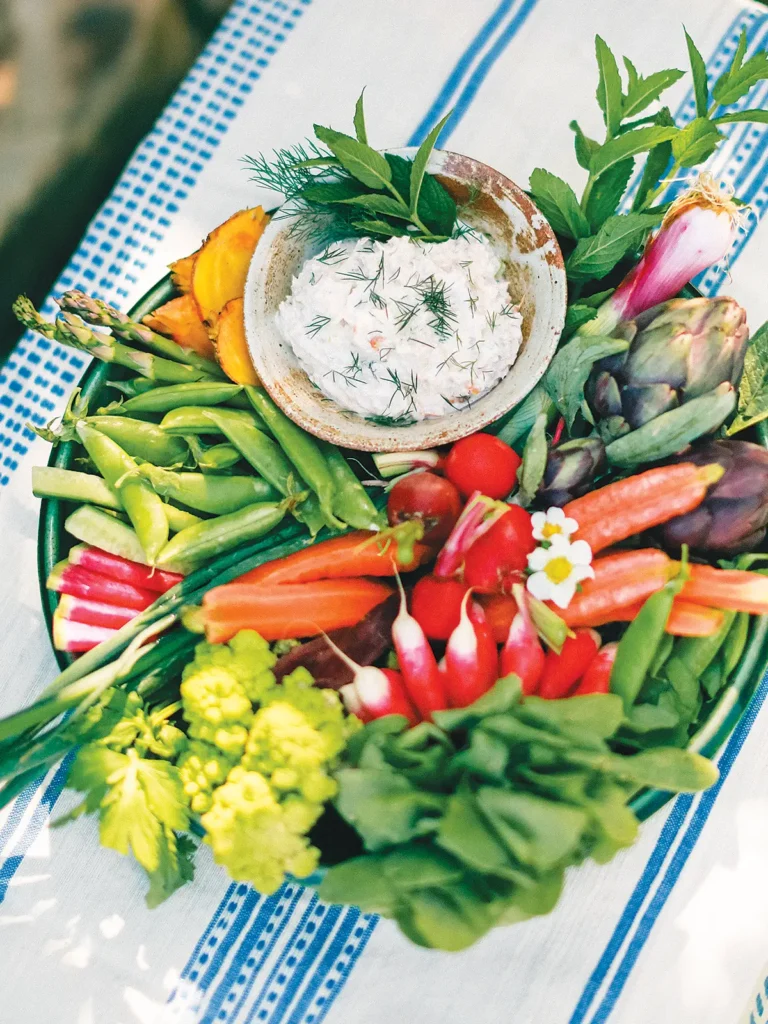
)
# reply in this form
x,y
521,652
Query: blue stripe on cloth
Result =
x,y
218,921
683,852
322,977
352,952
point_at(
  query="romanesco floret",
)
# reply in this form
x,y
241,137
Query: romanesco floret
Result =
x,y
254,837
202,767
247,657
217,708
323,709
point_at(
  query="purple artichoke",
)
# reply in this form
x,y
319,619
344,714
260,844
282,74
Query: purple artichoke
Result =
x,y
571,468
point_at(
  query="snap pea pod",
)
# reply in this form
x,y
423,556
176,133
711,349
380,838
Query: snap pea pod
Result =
x,y
216,494
190,419
142,440
663,651
177,396
302,449
207,540
133,387
214,459
351,501
144,507
735,642
268,459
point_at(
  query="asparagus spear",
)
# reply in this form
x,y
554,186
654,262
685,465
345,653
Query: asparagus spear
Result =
x,y
100,314
70,330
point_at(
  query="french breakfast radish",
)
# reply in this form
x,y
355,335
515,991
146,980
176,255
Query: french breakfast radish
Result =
x,y
471,659
562,671
436,605
522,654
497,559
373,692
597,678
418,665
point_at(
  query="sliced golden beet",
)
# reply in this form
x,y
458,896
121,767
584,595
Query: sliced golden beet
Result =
x,y
181,273
222,263
231,346
179,319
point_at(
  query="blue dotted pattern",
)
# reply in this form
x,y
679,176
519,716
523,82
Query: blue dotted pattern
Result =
x,y
136,217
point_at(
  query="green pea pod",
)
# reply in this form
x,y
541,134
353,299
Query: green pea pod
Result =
x,y
735,642
142,440
302,449
176,396
136,386
673,430
193,419
144,507
217,458
216,494
640,643
268,459
199,544
663,651
698,652
351,501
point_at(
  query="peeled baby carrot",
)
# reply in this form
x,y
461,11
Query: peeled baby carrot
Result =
x,y
627,507
734,589
286,610
354,554
620,580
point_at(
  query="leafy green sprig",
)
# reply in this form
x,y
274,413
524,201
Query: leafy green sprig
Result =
x,y
338,186
597,236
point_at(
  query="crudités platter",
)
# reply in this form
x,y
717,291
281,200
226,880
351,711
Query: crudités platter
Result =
x,y
429,659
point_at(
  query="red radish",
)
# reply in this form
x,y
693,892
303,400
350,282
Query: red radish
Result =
x,y
497,559
430,500
479,515
436,606
122,569
500,610
94,613
597,678
471,659
418,664
374,692
482,462
78,636
562,671
73,579
522,654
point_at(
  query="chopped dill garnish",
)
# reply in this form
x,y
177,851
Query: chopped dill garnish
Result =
x,y
471,302
332,256
317,325
406,311
434,298
490,319
508,310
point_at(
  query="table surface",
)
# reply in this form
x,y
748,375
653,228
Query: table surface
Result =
x,y
674,930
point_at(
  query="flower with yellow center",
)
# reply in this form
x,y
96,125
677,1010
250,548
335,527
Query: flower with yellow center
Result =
x,y
552,523
557,570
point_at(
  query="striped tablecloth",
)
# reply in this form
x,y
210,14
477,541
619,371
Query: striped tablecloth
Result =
x,y
675,930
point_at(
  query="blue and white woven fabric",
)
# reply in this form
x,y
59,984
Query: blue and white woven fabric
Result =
x,y
675,930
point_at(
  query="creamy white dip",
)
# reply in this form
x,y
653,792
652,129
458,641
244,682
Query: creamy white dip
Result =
x,y
403,329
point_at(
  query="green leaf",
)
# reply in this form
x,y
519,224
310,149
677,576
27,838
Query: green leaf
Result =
x,y
384,807
638,141
757,116
531,471
176,868
437,209
596,256
379,227
596,300
643,91
656,164
633,75
568,372
606,193
557,201
518,422
332,191
359,120
503,695
466,834
609,94
696,142
363,162
420,161
361,882
577,314
413,867
537,831
584,146
598,713
650,718
379,204
448,919
699,72
753,389
739,78
680,771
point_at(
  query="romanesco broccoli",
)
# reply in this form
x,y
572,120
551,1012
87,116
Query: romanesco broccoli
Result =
x,y
247,657
202,767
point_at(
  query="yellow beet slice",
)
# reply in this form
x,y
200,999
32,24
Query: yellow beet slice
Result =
x,y
231,346
221,265
179,319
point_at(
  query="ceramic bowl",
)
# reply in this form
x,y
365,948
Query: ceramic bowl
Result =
x,y
536,279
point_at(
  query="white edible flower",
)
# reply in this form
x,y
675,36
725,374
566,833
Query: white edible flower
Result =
x,y
557,570
552,523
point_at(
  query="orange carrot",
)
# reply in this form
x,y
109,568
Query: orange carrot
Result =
x,y
286,610
354,554
733,589
685,619
620,580
627,507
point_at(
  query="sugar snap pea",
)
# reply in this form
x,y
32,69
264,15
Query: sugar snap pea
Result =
x,y
301,448
351,501
176,396
216,458
142,440
190,419
216,494
143,505
133,387
735,642
200,543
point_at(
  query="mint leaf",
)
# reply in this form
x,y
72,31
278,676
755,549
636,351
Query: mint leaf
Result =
x,y
758,116
531,470
420,161
569,370
379,204
739,78
437,209
364,163
609,96
638,141
597,298
359,120
379,227
699,72
332,191
656,164
557,201
607,191
643,91
696,142
597,255
584,146
753,389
